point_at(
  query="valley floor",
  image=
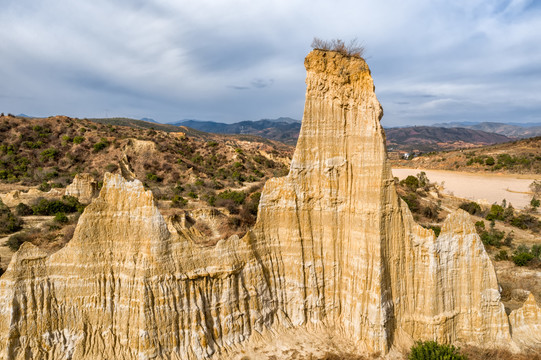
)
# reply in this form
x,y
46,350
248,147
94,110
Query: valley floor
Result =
x,y
479,187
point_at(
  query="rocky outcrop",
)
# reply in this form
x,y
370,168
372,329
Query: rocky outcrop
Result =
x,y
347,249
526,324
84,187
335,254
127,287
13,198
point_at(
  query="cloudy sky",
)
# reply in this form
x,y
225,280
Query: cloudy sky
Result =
x,y
432,60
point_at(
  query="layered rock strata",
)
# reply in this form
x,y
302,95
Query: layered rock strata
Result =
x,y
526,324
126,287
334,251
345,248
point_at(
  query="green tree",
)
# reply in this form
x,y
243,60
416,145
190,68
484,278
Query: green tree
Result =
x,y
411,182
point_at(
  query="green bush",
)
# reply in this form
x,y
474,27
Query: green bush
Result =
x,y
496,213
502,255
154,177
523,255
522,258
237,196
525,221
49,154
490,161
68,204
472,207
431,350
78,139
23,210
61,218
236,175
15,241
410,182
9,223
44,186
493,237
178,201
99,146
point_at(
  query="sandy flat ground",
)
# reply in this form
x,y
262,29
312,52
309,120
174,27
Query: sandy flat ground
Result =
x,y
482,188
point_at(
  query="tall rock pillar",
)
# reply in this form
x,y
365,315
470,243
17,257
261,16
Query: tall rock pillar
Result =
x,y
328,226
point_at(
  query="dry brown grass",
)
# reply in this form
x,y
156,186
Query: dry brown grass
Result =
x,y
475,353
353,49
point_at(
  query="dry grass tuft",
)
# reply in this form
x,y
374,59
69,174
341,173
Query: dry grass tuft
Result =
x,y
353,49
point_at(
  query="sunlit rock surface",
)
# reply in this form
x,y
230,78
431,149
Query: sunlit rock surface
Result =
x,y
84,187
335,254
526,324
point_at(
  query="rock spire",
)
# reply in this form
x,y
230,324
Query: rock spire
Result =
x,y
335,254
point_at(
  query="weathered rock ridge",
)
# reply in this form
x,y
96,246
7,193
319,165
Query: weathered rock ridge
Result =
x,y
334,250
84,187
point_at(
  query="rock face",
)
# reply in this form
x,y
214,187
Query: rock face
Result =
x,y
526,324
84,187
13,198
334,251
347,249
126,287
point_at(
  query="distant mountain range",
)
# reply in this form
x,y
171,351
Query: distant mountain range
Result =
x,y
445,136
422,138
283,129
518,130
431,138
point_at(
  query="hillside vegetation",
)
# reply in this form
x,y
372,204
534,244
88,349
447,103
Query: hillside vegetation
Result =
x,y
185,170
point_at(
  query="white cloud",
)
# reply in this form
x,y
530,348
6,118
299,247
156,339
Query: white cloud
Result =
x,y
432,60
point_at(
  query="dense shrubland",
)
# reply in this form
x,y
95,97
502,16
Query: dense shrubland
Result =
x,y
51,151
185,170
522,255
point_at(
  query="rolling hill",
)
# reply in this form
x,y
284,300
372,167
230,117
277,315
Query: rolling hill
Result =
x,y
429,138
282,129
517,130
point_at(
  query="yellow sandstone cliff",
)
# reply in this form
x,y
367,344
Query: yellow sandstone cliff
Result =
x,y
334,251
